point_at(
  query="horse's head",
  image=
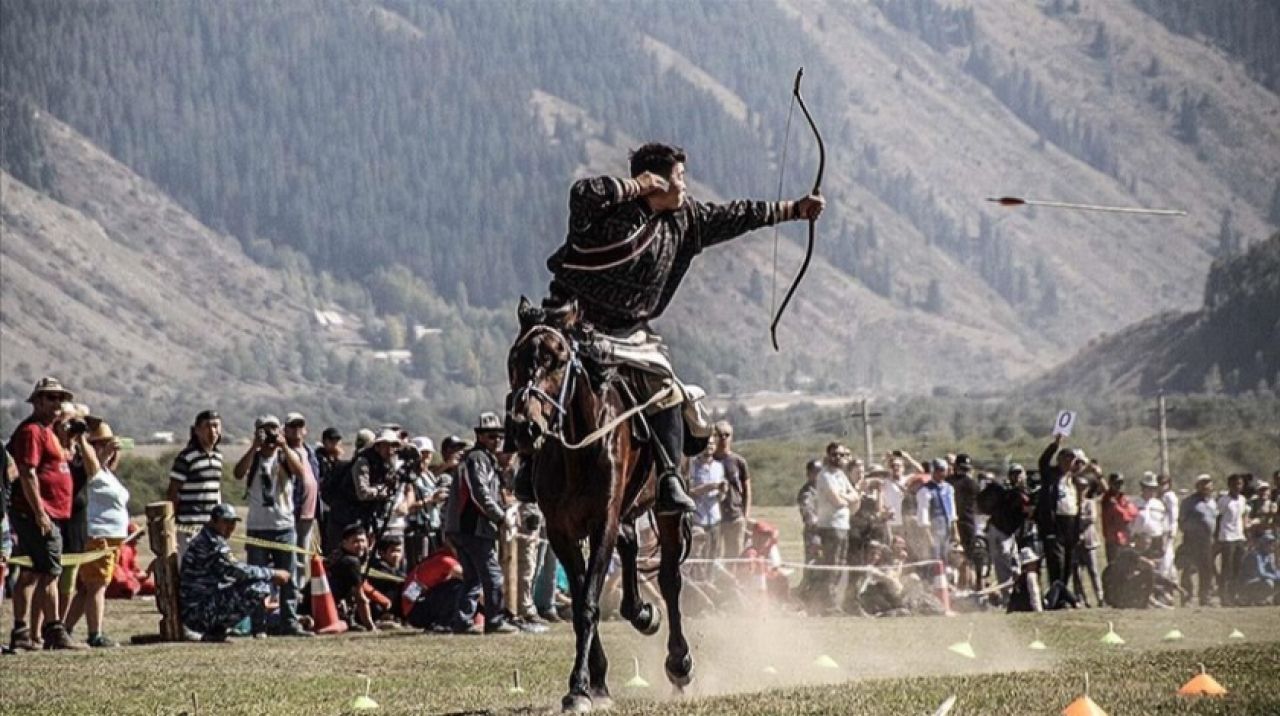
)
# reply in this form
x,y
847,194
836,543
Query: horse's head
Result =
x,y
540,367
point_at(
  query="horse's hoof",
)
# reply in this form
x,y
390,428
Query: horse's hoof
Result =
x,y
575,704
679,670
649,621
601,701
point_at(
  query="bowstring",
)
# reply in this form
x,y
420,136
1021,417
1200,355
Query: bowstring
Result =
x,y
782,172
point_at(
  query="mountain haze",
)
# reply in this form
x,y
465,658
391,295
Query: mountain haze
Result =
x,y
409,163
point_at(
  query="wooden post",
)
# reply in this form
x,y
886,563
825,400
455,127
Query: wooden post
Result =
x,y
164,543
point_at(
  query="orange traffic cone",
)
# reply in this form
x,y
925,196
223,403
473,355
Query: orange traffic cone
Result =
x,y
1202,685
1084,706
323,610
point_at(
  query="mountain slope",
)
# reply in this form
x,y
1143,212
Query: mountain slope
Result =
x,y
437,141
1231,345
118,291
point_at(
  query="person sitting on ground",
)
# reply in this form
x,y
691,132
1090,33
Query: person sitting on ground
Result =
x,y
1025,595
218,591
431,592
882,590
1259,577
345,567
388,559
1132,580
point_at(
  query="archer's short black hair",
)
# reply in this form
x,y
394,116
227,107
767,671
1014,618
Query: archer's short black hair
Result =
x,y
657,158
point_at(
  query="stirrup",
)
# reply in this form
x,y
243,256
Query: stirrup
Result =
x,y
672,498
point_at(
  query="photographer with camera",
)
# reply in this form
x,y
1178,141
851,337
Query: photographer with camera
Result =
x,y
424,495
270,470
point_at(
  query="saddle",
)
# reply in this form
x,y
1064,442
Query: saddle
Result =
x,y
638,361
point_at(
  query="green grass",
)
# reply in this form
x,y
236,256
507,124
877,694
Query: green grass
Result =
x,y
886,666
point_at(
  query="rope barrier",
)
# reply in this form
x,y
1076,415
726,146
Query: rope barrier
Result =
x,y
79,558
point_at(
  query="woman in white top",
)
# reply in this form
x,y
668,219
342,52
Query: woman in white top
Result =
x,y
108,516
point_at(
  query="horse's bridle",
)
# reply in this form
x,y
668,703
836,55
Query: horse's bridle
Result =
x,y
572,368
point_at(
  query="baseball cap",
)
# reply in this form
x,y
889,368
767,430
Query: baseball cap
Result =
x,y
1015,468
423,444
265,421
224,512
295,419
331,434
451,443
938,464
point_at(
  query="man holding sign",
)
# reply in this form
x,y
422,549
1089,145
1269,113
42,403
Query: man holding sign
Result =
x,y
1057,511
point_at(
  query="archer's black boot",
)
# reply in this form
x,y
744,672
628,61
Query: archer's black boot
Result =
x,y
672,497
522,482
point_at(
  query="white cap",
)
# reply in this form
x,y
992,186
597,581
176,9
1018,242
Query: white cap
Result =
x,y
423,444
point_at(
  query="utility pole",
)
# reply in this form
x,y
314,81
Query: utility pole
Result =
x,y
1164,436
866,417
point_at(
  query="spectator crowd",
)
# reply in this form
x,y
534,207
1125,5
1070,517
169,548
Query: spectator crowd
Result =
x,y
916,538
409,537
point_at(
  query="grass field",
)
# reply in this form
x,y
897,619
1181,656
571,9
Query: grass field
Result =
x,y
885,666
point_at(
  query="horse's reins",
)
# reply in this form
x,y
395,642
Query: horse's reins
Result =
x,y
573,368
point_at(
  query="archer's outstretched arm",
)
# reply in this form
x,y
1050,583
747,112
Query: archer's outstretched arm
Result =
x,y
718,223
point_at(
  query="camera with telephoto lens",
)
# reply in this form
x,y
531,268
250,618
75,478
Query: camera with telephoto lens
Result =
x,y
270,438
77,427
409,455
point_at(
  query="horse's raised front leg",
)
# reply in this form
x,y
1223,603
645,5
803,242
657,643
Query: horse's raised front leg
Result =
x,y
643,616
679,663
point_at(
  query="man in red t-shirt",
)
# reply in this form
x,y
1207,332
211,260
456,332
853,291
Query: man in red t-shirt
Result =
x,y
431,592
41,502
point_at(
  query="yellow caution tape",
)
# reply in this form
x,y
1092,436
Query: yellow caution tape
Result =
x,y
79,558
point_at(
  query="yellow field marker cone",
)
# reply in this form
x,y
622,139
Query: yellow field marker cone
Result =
x,y
1084,706
637,681
946,706
1235,634
770,670
964,648
1037,645
1111,637
516,688
825,662
1202,685
1173,634
364,703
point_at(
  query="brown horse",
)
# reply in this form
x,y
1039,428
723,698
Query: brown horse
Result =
x,y
593,489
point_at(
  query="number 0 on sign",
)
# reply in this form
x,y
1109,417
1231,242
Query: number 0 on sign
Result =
x,y
1065,422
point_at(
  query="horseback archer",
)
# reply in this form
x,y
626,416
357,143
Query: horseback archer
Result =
x,y
630,243
596,410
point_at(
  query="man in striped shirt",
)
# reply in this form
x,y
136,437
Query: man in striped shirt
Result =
x,y
195,480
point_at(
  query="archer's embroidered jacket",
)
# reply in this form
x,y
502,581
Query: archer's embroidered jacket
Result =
x,y
624,263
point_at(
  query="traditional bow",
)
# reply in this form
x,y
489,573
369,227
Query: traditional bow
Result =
x,y
817,189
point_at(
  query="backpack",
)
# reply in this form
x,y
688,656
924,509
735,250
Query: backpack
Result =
x,y
990,498
337,485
